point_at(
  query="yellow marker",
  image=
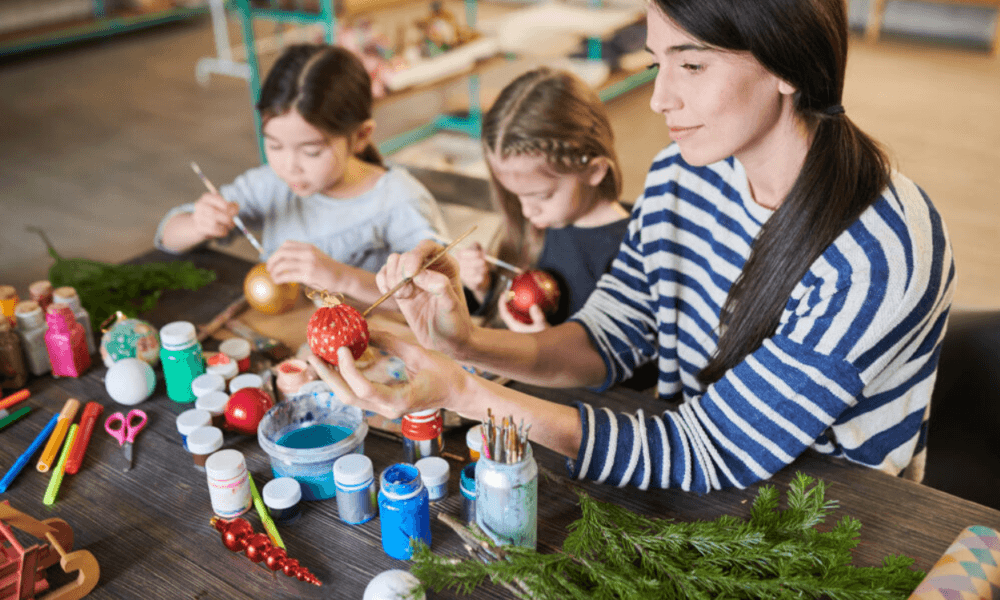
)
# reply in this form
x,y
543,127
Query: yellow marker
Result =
x,y
57,475
52,448
265,516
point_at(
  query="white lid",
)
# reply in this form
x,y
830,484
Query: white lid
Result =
x,y
424,413
225,464
282,492
352,469
474,438
207,383
192,419
178,333
204,440
433,470
235,348
226,370
246,380
213,402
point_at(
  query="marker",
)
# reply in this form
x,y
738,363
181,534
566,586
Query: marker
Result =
x,y
22,460
57,475
90,414
14,398
7,419
52,448
265,516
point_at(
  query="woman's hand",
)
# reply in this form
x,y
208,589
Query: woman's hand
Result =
x,y
213,216
306,264
538,321
474,271
433,302
433,380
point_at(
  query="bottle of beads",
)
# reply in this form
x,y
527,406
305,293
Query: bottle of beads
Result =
x,y
8,300
41,293
13,372
67,296
182,361
31,328
66,342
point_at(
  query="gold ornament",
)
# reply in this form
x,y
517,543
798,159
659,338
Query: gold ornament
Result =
x,y
266,296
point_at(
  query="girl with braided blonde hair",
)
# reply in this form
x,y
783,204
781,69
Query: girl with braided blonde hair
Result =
x,y
556,182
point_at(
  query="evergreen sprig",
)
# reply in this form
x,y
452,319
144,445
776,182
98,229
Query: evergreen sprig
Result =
x,y
614,554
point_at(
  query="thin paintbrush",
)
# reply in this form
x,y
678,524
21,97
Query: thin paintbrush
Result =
x,y
236,218
489,259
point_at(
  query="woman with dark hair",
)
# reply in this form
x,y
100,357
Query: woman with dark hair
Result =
x,y
792,287
330,209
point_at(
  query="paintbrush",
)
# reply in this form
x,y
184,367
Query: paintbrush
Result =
x,y
420,270
487,258
236,218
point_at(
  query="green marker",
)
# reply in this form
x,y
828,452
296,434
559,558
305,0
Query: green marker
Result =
x,y
6,419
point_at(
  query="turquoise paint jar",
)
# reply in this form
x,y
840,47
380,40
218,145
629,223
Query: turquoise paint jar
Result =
x,y
180,354
403,509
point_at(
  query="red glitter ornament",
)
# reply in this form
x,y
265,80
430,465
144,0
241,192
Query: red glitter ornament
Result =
x,y
245,408
336,324
532,287
238,533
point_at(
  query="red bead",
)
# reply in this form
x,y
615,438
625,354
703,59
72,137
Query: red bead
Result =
x,y
289,566
273,557
257,544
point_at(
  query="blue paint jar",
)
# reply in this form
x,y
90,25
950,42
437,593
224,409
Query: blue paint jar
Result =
x,y
404,510
281,496
180,355
356,495
468,486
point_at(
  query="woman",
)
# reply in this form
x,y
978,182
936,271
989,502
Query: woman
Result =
x,y
792,287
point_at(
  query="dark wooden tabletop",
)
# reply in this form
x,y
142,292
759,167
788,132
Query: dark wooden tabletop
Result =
x,y
149,527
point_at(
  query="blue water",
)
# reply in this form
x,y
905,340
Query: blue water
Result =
x,y
314,436
316,478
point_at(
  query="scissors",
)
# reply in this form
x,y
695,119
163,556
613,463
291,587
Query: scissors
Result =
x,y
124,429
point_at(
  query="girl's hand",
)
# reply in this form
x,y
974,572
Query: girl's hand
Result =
x,y
474,270
306,264
433,380
538,322
433,303
213,216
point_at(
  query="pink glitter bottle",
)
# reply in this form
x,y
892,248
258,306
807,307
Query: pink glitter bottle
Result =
x,y
66,342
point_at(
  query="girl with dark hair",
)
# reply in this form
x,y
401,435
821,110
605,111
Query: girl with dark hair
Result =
x,y
555,181
792,287
330,210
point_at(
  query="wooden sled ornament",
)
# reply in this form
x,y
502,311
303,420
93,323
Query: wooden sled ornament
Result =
x,y
22,570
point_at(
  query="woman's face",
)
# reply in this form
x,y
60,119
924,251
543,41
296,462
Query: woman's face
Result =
x,y
548,199
716,103
308,161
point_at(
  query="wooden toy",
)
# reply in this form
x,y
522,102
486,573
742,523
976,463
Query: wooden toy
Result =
x,y
22,570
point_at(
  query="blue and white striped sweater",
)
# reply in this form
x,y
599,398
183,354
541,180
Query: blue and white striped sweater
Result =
x,y
849,371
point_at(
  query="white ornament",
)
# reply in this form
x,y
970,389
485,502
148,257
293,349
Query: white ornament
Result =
x,y
393,584
130,381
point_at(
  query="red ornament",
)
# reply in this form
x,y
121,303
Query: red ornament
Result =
x,y
532,287
273,558
259,548
235,536
334,325
245,409
256,545
290,567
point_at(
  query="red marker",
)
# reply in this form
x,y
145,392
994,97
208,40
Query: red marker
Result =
x,y
90,414
14,398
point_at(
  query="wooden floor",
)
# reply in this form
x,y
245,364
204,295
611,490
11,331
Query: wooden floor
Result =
x,y
96,141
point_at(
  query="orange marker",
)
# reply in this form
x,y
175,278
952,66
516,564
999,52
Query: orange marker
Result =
x,y
14,398
90,414
62,426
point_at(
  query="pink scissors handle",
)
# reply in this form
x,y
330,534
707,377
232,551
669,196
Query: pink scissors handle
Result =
x,y
122,428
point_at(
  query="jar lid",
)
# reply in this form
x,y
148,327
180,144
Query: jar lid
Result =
x,y
352,469
236,348
282,492
434,470
178,333
246,380
213,402
64,293
207,383
204,440
226,369
474,438
192,419
40,288
225,464
26,308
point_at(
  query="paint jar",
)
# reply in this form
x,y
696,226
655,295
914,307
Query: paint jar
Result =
x,y
66,342
237,349
220,364
203,442
246,380
13,371
215,404
31,329
190,420
228,483
305,435
467,485
41,293
8,300
474,441
67,296
206,383
404,510
180,354
356,494
434,471
281,496
507,500
423,434
292,375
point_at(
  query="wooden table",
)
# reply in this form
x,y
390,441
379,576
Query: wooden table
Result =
x,y
149,527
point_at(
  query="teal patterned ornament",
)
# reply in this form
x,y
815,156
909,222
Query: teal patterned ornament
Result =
x,y
129,338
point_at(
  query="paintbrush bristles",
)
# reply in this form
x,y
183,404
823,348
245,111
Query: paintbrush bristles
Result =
x,y
504,443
